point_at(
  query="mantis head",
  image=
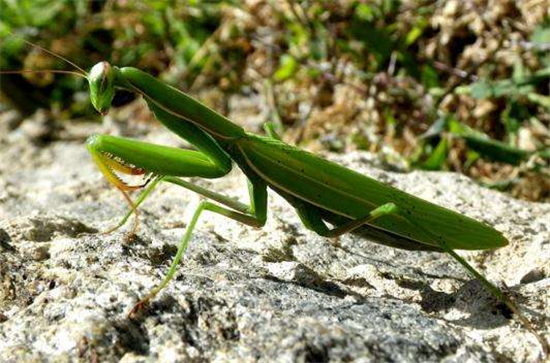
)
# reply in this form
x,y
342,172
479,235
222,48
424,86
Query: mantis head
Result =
x,y
102,86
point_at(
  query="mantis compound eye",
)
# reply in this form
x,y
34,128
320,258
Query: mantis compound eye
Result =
x,y
102,88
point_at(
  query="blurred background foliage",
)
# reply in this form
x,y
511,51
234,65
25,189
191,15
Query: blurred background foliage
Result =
x,y
437,85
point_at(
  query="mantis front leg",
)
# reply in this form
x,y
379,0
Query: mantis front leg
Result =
x,y
134,157
114,153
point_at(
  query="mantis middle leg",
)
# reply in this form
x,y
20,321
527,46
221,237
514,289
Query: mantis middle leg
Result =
x,y
254,190
256,217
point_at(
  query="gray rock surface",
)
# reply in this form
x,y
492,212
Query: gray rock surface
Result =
x,y
279,293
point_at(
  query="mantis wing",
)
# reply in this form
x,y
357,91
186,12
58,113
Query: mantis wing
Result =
x,y
345,192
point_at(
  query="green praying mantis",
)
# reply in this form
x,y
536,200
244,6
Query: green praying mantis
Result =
x,y
329,199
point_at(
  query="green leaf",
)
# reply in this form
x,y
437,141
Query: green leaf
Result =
x,y
437,128
471,158
438,157
288,67
413,35
519,72
416,32
364,12
495,150
513,115
456,127
481,90
505,88
541,35
541,100
429,77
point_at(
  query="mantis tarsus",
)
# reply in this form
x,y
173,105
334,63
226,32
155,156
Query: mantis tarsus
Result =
x,y
320,191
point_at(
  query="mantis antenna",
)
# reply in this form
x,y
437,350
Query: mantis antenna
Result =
x,y
43,71
81,72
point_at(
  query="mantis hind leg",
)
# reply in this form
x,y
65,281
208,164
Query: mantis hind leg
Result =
x,y
315,219
312,218
493,289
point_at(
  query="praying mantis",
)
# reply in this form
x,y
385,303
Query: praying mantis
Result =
x,y
330,200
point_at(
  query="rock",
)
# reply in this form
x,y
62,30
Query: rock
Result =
x,y
536,274
280,293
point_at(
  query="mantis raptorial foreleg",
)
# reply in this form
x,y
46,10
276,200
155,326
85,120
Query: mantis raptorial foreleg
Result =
x,y
112,154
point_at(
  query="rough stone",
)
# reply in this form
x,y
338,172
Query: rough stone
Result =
x,y
280,293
